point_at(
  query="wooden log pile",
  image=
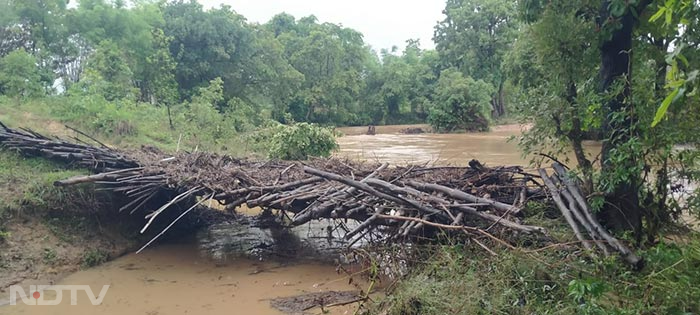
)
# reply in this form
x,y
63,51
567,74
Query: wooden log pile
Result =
x,y
568,197
80,153
400,202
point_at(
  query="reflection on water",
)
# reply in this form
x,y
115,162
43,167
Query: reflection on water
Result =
x,y
318,240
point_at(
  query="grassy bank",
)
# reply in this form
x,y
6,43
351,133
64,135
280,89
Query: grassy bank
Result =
x,y
128,124
454,279
26,184
47,232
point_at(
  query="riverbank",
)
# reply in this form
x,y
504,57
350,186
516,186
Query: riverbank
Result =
x,y
47,233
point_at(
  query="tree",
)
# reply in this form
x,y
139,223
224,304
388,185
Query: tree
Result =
x,y
108,74
332,60
474,38
19,75
208,45
553,61
572,93
461,103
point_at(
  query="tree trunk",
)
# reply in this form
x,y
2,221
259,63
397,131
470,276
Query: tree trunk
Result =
x,y
498,102
576,137
622,209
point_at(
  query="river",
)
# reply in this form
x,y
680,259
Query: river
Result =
x,y
183,278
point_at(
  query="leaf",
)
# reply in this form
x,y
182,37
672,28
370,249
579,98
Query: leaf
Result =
x,y
661,112
657,15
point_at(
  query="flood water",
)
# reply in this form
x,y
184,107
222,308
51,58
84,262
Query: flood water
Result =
x,y
186,278
389,145
179,279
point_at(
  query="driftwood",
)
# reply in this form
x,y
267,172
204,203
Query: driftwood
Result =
x,y
577,212
399,202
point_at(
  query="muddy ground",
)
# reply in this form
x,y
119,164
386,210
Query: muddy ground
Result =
x,y
42,249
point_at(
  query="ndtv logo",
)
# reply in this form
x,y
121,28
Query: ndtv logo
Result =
x,y
36,296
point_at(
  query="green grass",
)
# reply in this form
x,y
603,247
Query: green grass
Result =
x,y
27,183
94,257
126,124
459,280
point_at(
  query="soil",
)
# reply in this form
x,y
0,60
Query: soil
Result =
x,y
42,250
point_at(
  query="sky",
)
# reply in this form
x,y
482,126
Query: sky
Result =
x,y
384,23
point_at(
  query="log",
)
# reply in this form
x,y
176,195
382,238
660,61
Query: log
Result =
x,y
457,194
462,208
565,211
629,256
92,178
368,189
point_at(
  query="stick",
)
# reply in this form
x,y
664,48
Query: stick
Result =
x,y
563,208
464,196
175,200
173,223
625,252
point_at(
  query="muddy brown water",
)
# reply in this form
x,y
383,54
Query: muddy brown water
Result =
x,y
179,279
182,279
389,145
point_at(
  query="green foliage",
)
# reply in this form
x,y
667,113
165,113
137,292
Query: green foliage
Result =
x,y
331,59
200,121
300,141
4,235
94,257
50,256
19,75
457,280
553,64
99,115
401,88
27,183
107,74
475,37
461,103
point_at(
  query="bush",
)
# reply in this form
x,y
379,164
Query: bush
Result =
x,y
94,257
461,103
299,141
99,115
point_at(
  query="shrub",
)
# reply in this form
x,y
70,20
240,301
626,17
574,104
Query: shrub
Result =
x,y
99,115
461,103
299,141
94,257
3,236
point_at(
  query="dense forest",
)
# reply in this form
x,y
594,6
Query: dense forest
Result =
x,y
290,68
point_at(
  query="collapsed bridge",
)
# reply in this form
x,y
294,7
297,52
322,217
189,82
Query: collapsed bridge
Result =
x,y
399,202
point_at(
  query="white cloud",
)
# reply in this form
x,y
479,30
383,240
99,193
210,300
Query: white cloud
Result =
x,y
384,23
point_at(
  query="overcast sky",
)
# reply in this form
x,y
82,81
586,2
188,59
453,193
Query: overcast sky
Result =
x,y
384,23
